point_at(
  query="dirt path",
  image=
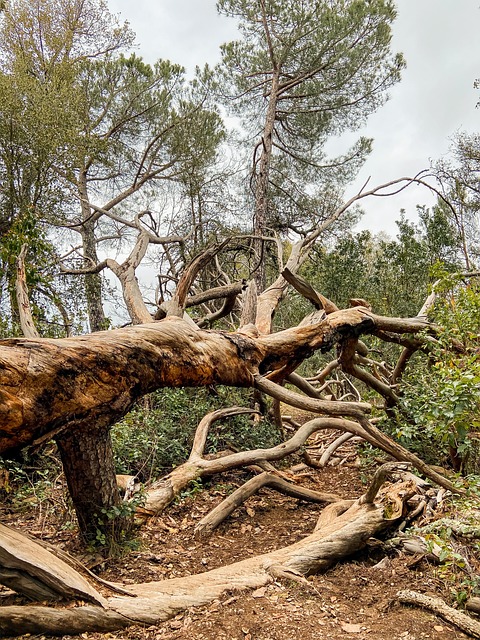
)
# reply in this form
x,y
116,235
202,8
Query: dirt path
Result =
x,y
354,599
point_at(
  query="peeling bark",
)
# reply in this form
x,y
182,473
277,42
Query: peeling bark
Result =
x,y
47,385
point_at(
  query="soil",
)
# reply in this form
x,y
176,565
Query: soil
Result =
x,y
356,598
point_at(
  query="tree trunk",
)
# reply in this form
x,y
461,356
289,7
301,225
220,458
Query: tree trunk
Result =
x,y
261,185
52,385
87,459
27,323
93,281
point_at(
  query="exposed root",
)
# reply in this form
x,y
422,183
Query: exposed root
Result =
x,y
238,497
345,531
467,624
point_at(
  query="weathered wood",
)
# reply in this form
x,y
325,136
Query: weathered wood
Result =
x,y
31,570
467,624
209,522
27,323
473,604
47,384
344,532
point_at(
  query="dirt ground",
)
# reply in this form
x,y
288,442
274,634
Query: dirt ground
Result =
x,y
356,598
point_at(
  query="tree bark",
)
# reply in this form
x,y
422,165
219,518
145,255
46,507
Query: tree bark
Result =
x,y
48,385
27,323
87,459
93,282
464,622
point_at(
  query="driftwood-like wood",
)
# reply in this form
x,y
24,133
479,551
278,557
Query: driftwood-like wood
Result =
x,y
345,531
27,324
473,604
364,428
50,384
31,570
161,493
464,622
211,521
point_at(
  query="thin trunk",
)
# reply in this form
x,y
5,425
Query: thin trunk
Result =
x,y
27,323
93,281
261,185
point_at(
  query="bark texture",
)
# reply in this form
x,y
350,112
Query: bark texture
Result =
x,y
343,529
87,459
48,385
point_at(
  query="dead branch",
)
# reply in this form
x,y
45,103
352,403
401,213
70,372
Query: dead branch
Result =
x,y
176,306
365,429
381,474
473,604
211,521
227,307
344,532
328,407
161,493
330,450
468,625
307,291
33,571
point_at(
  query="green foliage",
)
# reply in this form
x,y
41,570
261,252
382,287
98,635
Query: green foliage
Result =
x,y
157,435
393,275
301,73
115,534
439,411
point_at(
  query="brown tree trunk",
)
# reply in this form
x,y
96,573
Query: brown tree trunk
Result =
x,y
48,386
93,282
261,185
87,459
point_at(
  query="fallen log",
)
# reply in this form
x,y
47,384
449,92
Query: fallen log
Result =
x,y
343,531
28,568
52,385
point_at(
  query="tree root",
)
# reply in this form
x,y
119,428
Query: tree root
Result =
x,y
345,531
163,492
207,524
467,624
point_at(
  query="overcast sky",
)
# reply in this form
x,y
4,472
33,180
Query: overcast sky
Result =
x,y
435,99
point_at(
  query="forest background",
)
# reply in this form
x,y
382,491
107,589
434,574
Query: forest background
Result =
x,y
229,185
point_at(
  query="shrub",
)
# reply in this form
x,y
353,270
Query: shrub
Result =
x,y
439,413
157,434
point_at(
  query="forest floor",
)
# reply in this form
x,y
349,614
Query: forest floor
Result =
x,y
356,598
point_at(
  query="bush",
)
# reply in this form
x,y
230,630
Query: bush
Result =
x,y
439,413
157,434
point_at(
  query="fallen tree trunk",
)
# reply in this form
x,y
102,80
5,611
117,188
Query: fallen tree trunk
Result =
x,y
47,385
74,389
28,568
343,529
